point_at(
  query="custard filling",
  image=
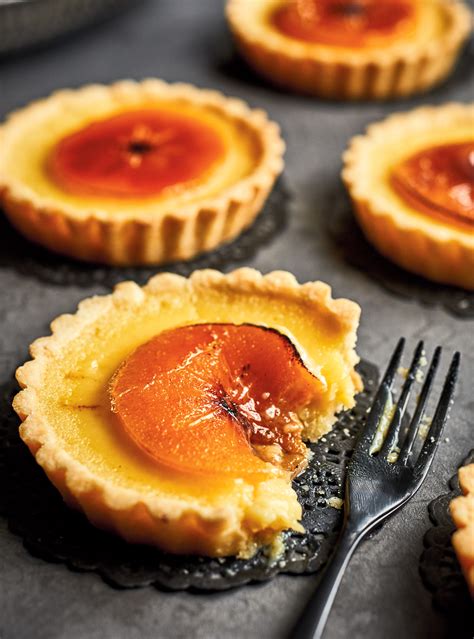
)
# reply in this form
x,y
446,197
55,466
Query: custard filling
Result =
x,y
76,398
137,157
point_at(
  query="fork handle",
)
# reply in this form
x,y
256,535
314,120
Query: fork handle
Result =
x,y
313,620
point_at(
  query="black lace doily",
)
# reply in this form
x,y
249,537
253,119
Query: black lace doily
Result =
x,y
356,250
439,567
29,259
51,530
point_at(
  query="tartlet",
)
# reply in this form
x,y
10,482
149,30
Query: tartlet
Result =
x,y
105,459
462,512
411,181
350,49
136,172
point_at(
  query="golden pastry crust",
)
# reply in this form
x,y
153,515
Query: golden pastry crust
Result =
x,y
400,69
142,512
144,233
427,246
462,512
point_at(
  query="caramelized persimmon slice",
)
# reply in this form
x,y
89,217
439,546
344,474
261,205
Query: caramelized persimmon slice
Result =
x,y
216,398
135,154
439,181
344,23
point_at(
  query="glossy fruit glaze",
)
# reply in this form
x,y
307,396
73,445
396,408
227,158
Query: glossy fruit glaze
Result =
x,y
216,398
344,23
135,154
439,181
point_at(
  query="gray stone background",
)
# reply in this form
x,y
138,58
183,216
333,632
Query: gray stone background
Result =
x,y
382,594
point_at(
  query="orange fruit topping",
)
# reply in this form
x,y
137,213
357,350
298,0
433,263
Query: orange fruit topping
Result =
x,y
344,23
135,154
216,398
439,181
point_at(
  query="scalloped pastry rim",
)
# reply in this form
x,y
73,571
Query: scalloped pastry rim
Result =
x,y
462,512
74,478
354,69
381,221
136,237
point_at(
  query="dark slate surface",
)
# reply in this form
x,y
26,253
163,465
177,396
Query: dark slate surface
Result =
x,y
382,594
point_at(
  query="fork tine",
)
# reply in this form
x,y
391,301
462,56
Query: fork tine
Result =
x,y
381,398
428,451
391,436
420,408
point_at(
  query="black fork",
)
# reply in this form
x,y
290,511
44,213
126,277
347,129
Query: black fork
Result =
x,y
380,477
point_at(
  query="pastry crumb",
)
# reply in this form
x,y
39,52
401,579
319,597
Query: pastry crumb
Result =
x,y
335,502
393,455
420,376
275,550
424,427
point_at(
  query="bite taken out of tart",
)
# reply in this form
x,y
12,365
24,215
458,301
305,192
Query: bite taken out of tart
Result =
x,y
411,181
462,512
350,49
136,172
175,414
